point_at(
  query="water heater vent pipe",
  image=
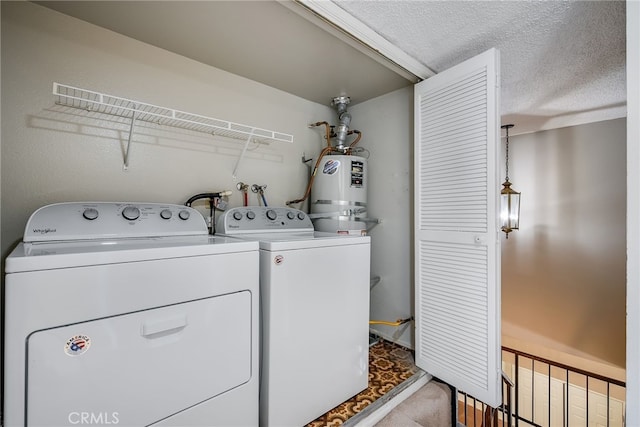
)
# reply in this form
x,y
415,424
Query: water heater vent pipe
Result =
x,y
344,120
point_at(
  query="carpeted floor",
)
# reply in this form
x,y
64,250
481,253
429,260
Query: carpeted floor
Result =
x,y
389,366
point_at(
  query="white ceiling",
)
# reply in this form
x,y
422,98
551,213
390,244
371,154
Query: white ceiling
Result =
x,y
562,62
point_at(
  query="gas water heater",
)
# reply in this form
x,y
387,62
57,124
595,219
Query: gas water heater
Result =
x,y
339,193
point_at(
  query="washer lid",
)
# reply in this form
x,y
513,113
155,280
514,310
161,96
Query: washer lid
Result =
x,y
303,240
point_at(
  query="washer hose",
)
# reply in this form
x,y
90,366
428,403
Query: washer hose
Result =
x,y
211,197
396,323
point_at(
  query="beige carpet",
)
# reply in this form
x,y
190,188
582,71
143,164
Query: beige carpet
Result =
x,y
430,406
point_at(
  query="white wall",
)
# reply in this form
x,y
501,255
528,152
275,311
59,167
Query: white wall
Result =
x,y
563,272
633,212
53,154
387,123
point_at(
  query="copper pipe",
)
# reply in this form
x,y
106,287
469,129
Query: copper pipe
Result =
x,y
324,152
327,131
357,139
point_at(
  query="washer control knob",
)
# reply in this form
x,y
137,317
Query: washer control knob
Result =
x,y
90,214
300,216
131,213
237,216
251,215
271,214
166,214
291,215
184,214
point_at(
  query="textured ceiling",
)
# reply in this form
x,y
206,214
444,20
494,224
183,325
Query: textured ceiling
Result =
x,y
562,62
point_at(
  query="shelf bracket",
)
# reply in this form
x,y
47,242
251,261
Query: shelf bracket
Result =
x,y
126,153
244,150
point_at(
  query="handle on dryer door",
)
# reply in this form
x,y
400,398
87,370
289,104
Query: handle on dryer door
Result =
x,y
152,328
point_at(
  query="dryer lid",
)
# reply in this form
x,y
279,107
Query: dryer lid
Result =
x,y
106,220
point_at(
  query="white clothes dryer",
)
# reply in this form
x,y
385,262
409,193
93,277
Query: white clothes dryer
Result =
x,y
314,290
130,314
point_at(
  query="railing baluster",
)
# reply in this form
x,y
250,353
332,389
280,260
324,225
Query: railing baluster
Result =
x,y
533,390
509,402
565,415
587,409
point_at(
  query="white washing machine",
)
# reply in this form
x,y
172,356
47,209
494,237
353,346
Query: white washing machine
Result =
x,y
130,314
314,290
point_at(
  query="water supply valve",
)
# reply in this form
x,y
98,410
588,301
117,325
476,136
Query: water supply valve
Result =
x,y
260,190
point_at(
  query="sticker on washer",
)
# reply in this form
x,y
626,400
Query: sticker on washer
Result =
x,y
77,345
331,167
278,259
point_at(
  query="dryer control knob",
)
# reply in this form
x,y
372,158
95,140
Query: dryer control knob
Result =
x,y
251,215
90,214
271,214
165,214
300,216
131,213
184,215
237,216
291,215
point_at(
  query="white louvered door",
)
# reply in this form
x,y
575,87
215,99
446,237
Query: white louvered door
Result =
x,y
457,242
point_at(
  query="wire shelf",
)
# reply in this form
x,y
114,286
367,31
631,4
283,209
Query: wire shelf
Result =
x,y
135,110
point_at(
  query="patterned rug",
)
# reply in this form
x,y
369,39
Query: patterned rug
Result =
x,y
389,366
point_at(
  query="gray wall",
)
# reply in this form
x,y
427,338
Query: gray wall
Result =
x,y
388,125
53,154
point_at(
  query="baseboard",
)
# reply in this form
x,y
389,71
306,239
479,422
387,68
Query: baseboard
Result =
x,y
391,338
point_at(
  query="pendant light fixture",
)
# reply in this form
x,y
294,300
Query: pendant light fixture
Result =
x,y
509,198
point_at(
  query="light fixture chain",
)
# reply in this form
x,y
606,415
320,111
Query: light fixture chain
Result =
x,y
507,157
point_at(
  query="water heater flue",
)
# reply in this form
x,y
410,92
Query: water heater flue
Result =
x,y
344,120
338,136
